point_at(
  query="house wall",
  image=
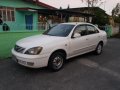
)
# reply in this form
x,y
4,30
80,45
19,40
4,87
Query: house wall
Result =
x,y
19,23
115,29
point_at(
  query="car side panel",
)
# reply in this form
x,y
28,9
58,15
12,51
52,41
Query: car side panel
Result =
x,y
78,46
93,41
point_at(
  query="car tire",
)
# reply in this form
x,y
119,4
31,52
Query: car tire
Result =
x,y
99,49
56,61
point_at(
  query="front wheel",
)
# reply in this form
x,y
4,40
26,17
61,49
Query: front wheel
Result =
x,y
56,61
99,49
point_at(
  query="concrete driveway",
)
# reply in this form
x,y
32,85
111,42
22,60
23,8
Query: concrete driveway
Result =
x,y
86,72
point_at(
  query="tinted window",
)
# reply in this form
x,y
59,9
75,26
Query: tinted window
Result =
x,y
81,29
62,30
91,29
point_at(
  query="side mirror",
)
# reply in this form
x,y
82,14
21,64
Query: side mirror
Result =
x,y
76,35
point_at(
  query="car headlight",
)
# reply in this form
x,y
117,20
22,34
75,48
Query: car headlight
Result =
x,y
34,51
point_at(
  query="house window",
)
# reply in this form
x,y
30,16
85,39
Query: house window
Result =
x,y
4,16
7,13
13,16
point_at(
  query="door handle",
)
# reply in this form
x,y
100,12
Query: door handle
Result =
x,y
87,39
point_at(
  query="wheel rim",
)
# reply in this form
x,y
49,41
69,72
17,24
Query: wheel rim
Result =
x,y
57,62
99,49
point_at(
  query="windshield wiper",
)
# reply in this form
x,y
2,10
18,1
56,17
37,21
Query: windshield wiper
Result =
x,y
50,35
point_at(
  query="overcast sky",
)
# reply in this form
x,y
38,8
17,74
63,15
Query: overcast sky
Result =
x,y
108,5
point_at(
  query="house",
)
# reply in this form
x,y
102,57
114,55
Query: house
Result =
x,y
55,16
21,14
100,16
80,18
33,15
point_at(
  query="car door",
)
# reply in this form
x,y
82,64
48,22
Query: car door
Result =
x,y
78,45
93,37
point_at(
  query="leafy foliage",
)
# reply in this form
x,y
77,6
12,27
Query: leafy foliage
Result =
x,y
116,19
116,13
116,10
100,18
92,3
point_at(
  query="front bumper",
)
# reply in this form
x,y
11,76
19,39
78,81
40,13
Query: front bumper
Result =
x,y
33,61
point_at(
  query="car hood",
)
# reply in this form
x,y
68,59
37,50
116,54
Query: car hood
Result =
x,y
38,40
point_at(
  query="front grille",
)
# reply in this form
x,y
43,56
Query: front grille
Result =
x,y
19,49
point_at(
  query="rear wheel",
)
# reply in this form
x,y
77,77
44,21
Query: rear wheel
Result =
x,y
56,61
99,49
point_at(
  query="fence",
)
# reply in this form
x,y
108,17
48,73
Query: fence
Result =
x,y
45,26
21,27
110,30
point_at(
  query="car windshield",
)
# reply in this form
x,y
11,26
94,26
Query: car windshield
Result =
x,y
61,30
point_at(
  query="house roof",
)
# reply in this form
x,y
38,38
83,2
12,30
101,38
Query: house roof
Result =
x,y
26,9
82,9
63,12
37,2
86,8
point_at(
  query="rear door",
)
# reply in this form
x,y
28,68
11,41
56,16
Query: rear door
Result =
x,y
93,37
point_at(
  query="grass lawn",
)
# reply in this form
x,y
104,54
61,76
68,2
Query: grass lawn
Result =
x,y
8,40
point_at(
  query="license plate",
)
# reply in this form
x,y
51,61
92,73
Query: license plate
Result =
x,y
22,62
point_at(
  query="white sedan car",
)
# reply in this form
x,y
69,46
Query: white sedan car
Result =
x,y
61,42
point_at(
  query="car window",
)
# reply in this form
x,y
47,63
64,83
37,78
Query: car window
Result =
x,y
92,29
62,30
81,29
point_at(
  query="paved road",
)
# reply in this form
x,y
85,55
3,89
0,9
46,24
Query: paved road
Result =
x,y
86,72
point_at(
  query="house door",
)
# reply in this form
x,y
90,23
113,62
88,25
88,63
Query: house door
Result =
x,y
29,22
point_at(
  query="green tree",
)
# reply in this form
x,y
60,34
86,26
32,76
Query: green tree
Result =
x,y
116,13
100,18
116,10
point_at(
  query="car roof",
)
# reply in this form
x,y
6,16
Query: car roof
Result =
x,y
76,23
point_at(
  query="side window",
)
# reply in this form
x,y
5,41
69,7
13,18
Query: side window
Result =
x,y
92,29
81,29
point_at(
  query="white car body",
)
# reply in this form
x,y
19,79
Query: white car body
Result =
x,y
50,44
